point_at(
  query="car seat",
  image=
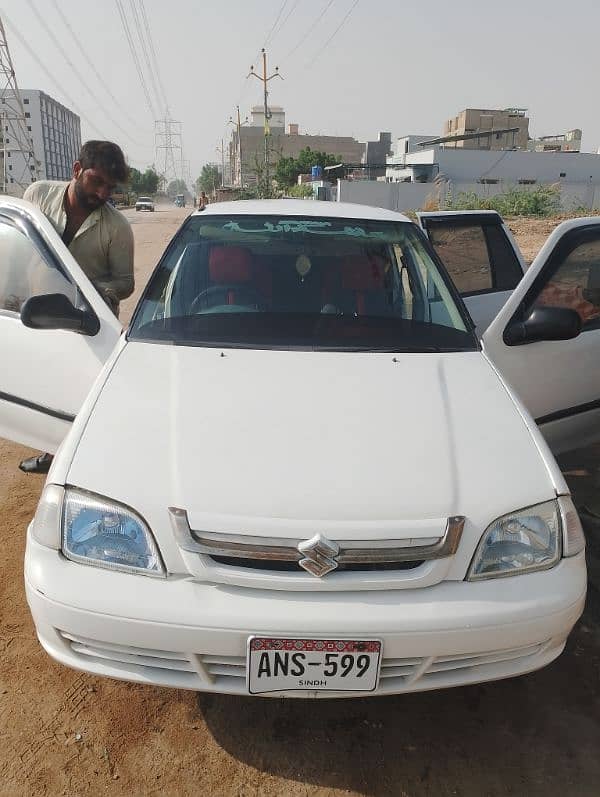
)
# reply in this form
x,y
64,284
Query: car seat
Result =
x,y
363,289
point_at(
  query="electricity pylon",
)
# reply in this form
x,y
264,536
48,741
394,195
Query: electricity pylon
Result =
x,y
15,140
169,149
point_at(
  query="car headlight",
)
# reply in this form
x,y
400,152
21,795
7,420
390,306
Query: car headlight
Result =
x,y
100,532
526,540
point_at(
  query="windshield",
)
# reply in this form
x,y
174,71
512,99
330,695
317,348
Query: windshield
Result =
x,y
145,199
292,282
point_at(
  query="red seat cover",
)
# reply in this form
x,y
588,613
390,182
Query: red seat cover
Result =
x,y
229,265
362,274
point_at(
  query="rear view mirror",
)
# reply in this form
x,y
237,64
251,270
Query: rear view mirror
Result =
x,y
55,311
544,323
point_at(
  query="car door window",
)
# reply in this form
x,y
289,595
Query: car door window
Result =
x,y
575,282
463,250
476,252
24,272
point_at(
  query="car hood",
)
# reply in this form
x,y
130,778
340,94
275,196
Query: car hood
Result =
x,y
245,439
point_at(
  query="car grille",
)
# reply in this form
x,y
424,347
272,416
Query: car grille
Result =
x,y
292,565
228,673
318,555
395,674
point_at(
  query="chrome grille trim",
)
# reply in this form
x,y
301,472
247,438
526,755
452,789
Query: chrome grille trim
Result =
x,y
286,550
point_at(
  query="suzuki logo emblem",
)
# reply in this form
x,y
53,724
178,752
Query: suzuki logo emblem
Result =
x,y
319,555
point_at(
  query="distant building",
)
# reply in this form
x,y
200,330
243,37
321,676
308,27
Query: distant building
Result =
x,y
56,134
409,143
376,154
282,144
493,129
453,171
563,142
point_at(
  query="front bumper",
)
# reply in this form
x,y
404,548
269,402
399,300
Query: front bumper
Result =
x,y
181,633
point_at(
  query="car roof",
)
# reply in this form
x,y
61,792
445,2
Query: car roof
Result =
x,y
301,207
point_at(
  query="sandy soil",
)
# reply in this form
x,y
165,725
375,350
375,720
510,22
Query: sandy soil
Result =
x,y
66,733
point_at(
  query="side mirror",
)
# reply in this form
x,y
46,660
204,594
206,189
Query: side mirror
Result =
x,y
544,323
55,311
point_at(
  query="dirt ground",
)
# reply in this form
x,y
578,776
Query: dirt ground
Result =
x,y
66,733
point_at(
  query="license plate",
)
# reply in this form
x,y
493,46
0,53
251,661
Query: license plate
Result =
x,y
325,665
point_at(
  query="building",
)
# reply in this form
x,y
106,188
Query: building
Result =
x,y
484,168
493,129
56,134
281,144
409,143
563,142
376,154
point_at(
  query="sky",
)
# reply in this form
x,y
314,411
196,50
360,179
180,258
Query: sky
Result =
x,y
391,66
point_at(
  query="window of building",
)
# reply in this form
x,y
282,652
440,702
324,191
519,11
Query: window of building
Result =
x,y
29,128
562,174
26,101
527,182
27,115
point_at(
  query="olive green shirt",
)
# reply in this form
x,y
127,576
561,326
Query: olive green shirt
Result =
x,y
102,246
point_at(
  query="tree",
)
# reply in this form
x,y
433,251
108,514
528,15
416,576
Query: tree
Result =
x,y
146,183
210,178
288,169
177,187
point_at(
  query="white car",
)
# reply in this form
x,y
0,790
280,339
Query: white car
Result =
x,y
299,472
145,203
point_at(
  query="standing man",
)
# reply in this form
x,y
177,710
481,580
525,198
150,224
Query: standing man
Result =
x,y
203,201
97,234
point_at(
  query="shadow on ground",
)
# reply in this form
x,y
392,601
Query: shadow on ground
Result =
x,y
537,734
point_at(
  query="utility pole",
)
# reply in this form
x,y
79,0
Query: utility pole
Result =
x,y
265,80
15,138
238,125
221,149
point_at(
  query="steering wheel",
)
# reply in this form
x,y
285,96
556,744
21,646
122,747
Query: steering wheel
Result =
x,y
249,297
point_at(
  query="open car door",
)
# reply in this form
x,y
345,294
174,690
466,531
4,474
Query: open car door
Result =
x,y
557,376
481,256
47,368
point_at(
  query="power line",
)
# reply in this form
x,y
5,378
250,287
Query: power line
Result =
x,y
244,86
61,49
134,55
138,28
153,51
99,77
333,35
310,30
42,66
277,18
287,16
